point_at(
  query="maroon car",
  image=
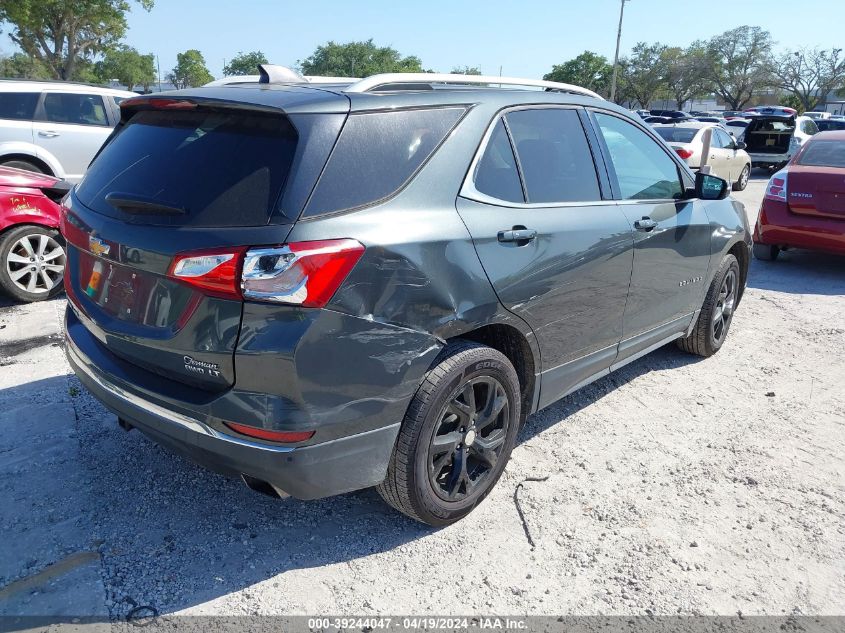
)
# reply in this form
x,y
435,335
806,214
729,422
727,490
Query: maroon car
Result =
x,y
804,203
32,254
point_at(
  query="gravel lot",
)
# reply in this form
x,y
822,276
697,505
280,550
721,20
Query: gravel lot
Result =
x,y
676,485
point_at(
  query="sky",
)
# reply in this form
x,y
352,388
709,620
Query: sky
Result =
x,y
525,38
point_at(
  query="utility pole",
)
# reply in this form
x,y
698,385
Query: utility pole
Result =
x,y
616,56
158,70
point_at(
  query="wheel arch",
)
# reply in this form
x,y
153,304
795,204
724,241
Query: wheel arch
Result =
x,y
32,154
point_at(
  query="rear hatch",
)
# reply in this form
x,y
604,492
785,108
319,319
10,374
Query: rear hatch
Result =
x,y
769,134
182,187
817,180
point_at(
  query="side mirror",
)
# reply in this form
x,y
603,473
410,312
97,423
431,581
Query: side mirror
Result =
x,y
740,145
709,187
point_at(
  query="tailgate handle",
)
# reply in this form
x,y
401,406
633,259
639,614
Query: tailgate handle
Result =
x,y
517,234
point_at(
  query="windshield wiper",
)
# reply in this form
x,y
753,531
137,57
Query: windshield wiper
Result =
x,y
133,204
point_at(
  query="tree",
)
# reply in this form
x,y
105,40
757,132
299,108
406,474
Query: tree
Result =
x,y
738,64
643,73
128,66
358,59
685,72
466,70
22,66
809,74
62,33
245,63
588,70
190,70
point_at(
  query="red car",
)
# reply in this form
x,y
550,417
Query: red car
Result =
x,y
32,254
804,203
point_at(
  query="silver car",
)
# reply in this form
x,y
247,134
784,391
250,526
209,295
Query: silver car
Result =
x,y
728,158
55,127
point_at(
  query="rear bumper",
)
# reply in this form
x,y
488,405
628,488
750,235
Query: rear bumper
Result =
x,y
758,159
332,467
778,226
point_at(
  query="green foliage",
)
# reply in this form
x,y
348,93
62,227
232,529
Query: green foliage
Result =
x,y
465,70
791,101
685,72
61,34
190,70
643,74
358,59
588,70
23,66
245,63
809,75
738,64
127,66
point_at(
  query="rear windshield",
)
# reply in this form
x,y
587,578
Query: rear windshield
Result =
x,y
200,168
677,134
377,154
18,105
824,154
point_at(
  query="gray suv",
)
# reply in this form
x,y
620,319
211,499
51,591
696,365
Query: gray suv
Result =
x,y
322,288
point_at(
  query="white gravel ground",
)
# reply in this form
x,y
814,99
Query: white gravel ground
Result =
x,y
676,485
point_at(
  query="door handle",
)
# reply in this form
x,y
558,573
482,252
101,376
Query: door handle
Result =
x,y
646,224
517,235
48,133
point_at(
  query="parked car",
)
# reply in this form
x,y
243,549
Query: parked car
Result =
x,y
32,254
720,121
733,114
642,113
670,114
816,116
771,110
727,158
825,125
737,127
389,279
804,203
54,127
772,140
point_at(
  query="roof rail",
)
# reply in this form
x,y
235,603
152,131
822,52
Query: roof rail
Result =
x,y
376,82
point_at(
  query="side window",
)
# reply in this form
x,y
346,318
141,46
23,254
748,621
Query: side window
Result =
x,y
555,158
724,140
77,109
643,169
19,106
496,174
810,127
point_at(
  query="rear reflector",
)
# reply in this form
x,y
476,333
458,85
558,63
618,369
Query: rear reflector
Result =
x,y
683,152
272,436
300,273
776,188
214,272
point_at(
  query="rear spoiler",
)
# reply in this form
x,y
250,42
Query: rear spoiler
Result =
x,y
57,190
177,103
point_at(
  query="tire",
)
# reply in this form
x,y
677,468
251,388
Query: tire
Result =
x,y
716,314
765,252
43,243
440,482
22,164
742,183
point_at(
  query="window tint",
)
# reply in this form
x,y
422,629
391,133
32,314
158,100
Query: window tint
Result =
x,y
496,174
824,154
19,106
222,168
643,168
376,154
554,156
721,139
674,134
62,107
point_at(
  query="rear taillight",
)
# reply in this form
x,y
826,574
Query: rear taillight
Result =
x,y
776,189
300,273
683,152
215,272
272,436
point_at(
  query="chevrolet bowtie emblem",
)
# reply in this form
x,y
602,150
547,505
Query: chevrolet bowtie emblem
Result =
x,y
98,246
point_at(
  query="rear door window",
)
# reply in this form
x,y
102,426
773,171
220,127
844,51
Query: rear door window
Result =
x,y
199,168
554,156
676,134
496,174
824,154
76,109
377,153
643,169
18,106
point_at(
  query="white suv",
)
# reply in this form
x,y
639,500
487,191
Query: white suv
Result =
x,y
55,127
